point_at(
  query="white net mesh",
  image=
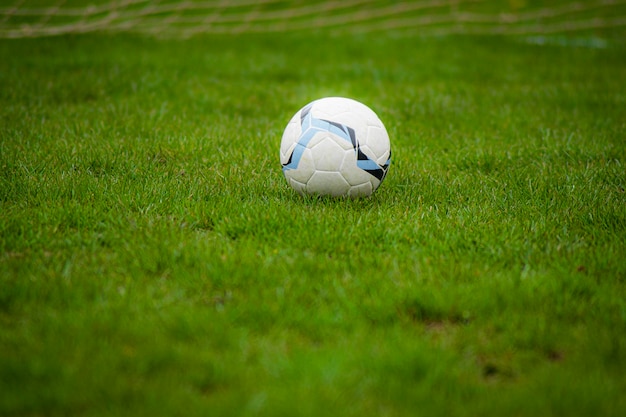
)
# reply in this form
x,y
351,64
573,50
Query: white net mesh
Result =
x,y
26,18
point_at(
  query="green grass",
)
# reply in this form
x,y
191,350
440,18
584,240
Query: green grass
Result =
x,y
153,260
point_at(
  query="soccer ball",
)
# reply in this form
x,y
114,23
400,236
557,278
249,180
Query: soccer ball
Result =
x,y
335,146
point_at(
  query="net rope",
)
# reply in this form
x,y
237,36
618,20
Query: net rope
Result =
x,y
24,18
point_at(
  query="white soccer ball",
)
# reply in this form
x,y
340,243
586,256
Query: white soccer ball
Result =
x,y
335,146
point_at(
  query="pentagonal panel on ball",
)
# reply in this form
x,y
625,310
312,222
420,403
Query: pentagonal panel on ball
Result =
x,y
328,155
298,186
327,183
362,190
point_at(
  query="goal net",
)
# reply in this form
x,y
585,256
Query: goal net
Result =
x,y
184,18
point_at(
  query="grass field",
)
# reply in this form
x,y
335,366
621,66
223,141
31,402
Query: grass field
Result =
x,y
153,260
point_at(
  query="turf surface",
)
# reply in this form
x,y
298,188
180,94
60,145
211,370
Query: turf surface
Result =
x,y
153,260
